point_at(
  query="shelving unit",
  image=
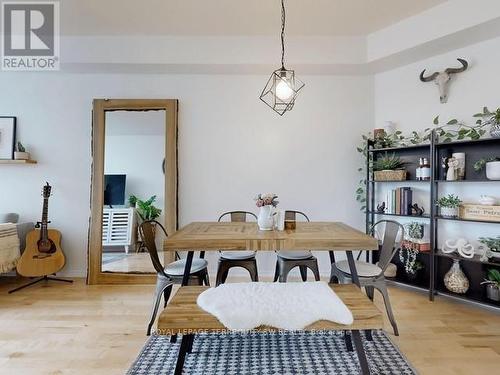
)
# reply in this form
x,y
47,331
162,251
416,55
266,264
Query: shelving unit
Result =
x,y
436,263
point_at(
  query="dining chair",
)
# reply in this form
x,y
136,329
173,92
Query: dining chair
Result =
x,y
173,272
371,276
230,259
287,260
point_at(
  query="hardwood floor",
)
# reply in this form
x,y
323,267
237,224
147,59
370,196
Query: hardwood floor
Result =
x,y
60,329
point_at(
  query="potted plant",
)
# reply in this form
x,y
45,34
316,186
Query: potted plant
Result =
x,y
449,205
21,153
492,285
389,168
492,167
493,119
145,209
493,244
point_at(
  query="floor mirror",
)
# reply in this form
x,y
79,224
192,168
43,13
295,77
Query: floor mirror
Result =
x,y
134,178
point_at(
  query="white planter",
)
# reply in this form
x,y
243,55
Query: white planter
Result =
x,y
265,219
449,211
21,155
493,170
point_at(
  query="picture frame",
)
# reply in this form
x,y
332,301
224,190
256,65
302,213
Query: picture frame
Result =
x,y
7,137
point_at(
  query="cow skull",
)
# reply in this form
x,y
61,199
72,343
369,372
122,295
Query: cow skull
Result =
x,y
441,79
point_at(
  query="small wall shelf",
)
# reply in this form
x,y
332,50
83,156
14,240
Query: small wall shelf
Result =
x,y
6,161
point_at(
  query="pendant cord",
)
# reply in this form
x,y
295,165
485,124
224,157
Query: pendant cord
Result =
x,y
283,19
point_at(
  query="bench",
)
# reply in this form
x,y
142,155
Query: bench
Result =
x,y
183,316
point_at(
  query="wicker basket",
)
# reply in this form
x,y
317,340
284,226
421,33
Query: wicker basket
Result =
x,y
396,175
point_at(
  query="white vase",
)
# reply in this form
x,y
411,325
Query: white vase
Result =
x,y
265,220
449,211
493,170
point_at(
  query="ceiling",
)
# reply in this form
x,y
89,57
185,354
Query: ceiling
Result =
x,y
234,17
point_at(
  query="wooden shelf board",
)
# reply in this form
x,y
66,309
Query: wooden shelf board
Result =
x,y
7,161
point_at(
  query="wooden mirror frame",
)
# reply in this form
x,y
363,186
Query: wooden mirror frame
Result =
x,y
100,107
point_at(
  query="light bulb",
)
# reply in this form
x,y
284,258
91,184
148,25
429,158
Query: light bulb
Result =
x,y
283,91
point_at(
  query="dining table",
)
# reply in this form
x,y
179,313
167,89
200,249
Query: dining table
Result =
x,y
316,236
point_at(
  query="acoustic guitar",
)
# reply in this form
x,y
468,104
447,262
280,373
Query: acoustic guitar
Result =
x,y
43,254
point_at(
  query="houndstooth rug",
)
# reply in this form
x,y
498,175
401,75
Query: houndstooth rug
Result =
x,y
272,354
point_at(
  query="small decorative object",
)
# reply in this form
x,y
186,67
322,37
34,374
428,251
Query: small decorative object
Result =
x,y
21,153
389,168
492,166
7,137
461,245
381,208
455,280
451,174
290,224
415,230
283,86
444,166
492,285
449,206
266,203
416,210
460,169
415,233
480,212
487,200
441,79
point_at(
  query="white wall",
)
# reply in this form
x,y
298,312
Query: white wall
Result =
x,y
402,98
231,146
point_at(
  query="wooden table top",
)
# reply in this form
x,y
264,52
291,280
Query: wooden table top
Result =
x,y
183,315
326,236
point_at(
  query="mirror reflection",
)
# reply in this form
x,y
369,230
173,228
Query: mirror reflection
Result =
x,y
134,187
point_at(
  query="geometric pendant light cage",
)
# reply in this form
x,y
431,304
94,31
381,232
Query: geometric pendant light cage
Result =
x,y
283,86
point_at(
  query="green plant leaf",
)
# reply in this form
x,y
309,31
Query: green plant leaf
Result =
x,y
452,122
436,120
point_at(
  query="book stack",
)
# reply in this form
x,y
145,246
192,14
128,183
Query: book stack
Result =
x,y
399,201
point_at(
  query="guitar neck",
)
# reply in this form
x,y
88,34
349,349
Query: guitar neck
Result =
x,y
44,223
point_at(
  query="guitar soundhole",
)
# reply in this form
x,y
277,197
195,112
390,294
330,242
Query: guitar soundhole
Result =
x,y
46,246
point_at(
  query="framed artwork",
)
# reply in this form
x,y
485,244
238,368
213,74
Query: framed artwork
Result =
x,y
7,137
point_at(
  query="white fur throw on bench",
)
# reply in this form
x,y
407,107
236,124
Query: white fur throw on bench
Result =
x,y
288,306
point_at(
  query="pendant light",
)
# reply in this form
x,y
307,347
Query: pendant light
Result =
x,y
283,86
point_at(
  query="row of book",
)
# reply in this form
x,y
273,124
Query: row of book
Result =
x,y
399,201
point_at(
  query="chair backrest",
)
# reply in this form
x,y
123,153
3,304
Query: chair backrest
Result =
x,y
391,242
292,215
238,216
147,232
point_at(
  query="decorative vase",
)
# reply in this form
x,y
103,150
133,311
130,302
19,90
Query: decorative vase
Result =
x,y
493,170
455,280
265,220
449,211
493,292
21,155
495,130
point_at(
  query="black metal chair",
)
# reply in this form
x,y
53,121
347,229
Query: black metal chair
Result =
x,y
230,259
173,272
287,260
371,276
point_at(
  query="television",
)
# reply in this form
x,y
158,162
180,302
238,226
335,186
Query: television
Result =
x,y
114,189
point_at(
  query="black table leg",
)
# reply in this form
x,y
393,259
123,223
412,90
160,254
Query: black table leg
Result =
x,y
187,268
182,354
332,256
352,267
360,350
